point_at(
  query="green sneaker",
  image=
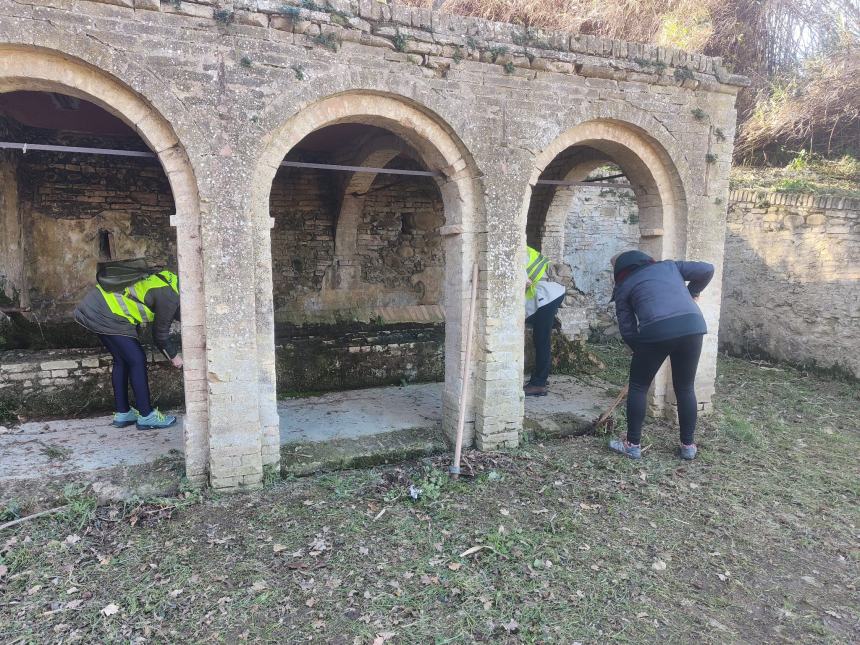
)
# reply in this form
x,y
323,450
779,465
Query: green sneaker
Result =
x,y
125,419
155,421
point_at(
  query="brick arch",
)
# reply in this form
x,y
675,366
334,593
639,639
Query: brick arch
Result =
x,y
657,184
38,69
441,151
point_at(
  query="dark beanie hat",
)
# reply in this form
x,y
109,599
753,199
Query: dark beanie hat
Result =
x,y
629,261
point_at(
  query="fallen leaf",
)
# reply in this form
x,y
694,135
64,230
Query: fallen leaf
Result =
x,y
74,604
642,614
71,590
110,610
310,602
475,549
175,593
454,566
504,511
363,550
3,570
32,591
72,539
658,565
259,585
277,548
512,627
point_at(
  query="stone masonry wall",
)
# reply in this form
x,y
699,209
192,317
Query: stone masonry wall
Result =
x,y
398,245
223,91
603,222
792,279
70,382
66,199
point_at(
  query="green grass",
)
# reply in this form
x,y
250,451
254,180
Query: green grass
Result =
x,y
758,538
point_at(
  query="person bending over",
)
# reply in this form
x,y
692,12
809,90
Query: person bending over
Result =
x,y
543,298
116,318
658,318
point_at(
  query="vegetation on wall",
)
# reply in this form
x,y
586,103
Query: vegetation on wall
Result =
x,y
801,57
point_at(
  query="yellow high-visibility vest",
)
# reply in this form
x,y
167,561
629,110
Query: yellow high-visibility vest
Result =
x,y
130,304
535,269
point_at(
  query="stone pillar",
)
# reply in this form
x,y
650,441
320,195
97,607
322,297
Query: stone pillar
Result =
x,y
499,401
12,273
232,370
268,401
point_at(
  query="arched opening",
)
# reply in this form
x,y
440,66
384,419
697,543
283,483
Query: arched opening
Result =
x,y
90,172
602,188
370,208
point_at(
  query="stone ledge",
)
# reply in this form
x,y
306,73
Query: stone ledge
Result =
x,y
363,452
832,202
446,35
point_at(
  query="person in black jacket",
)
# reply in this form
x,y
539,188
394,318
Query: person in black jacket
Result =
x,y
658,318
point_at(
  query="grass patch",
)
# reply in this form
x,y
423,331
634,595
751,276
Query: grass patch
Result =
x,y
556,542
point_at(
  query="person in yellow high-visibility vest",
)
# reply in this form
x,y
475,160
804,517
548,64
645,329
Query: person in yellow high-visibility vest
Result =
x,y
543,298
116,318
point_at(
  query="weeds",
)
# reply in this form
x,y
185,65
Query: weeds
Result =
x,y
720,135
400,42
80,506
711,157
223,16
329,40
458,54
10,511
497,51
699,114
683,74
246,62
509,67
299,72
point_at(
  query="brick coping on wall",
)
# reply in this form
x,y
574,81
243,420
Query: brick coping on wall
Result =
x,y
421,35
833,202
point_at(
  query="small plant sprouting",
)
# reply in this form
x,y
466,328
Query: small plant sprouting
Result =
x,y
683,74
458,54
509,67
290,12
699,114
711,157
719,134
177,4
299,71
471,42
657,65
400,41
328,40
495,52
718,201
245,62
223,16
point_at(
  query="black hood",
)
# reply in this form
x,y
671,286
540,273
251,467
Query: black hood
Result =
x,y
628,263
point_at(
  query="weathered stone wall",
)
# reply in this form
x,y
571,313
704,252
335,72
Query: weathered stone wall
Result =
x,y
67,199
222,98
603,221
398,250
792,279
49,383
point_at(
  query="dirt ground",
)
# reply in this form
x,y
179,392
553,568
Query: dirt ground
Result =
x,y
758,540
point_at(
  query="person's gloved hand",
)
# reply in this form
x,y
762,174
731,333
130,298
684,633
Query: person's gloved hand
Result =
x,y
177,361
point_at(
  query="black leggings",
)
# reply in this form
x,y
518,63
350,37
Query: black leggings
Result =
x,y
129,366
684,354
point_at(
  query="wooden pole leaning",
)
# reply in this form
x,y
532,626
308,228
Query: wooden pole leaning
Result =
x,y
465,377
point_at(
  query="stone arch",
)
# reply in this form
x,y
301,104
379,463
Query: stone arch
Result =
x,y
657,184
442,151
38,69
377,153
